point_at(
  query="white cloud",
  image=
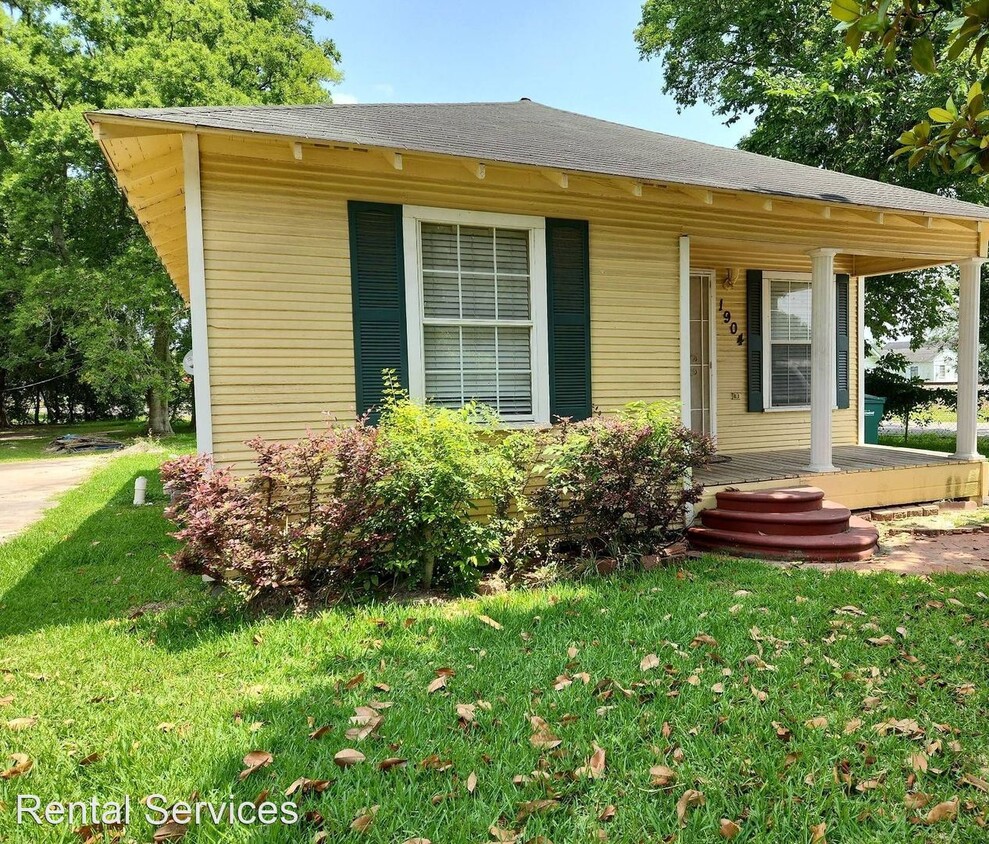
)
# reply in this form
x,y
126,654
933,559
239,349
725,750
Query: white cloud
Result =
x,y
386,90
344,99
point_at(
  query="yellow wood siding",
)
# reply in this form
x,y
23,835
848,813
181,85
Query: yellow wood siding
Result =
x,y
278,279
737,428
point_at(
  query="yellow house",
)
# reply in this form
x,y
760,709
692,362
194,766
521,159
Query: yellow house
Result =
x,y
546,263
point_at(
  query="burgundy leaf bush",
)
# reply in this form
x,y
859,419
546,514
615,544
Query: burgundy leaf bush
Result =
x,y
615,487
310,514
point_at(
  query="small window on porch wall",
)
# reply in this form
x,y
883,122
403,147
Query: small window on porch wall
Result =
x,y
789,315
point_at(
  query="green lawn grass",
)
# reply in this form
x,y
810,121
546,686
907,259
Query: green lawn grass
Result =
x,y
930,441
28,442
171,701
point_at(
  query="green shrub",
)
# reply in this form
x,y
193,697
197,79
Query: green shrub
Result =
x,y
442,463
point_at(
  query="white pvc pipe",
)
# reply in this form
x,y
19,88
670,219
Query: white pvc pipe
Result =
x,y
140,488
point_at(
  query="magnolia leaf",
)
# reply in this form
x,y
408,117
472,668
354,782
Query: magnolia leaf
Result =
x,y
662,776
846,11
364,819
170,831
727,828
22,764
922,56
946,811
649,661
817,833
689,799
347,757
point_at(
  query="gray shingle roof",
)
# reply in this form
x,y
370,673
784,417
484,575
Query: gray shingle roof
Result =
x,y
533,134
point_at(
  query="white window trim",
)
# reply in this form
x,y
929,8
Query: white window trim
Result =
x,y
412,216
767,358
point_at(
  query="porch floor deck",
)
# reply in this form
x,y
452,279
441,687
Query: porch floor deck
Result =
x,y
776,465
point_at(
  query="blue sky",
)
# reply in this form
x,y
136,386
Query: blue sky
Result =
x,y
571,54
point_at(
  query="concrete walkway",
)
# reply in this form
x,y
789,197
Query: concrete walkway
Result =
x,y
29,487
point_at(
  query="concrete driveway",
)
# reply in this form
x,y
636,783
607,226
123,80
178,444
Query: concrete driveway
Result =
x,y
29,487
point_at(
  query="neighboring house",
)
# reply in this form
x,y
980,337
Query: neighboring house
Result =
x,y
934,365
542,261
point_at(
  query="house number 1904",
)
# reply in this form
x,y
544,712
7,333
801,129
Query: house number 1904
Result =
x,y
732,325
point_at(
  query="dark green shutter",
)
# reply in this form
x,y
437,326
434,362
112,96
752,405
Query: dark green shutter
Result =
x,y
568,282
753,323
377,273
842,365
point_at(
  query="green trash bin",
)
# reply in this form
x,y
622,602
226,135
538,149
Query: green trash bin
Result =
x,y
874,407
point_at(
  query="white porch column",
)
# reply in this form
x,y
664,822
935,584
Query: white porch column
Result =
x,y
822,359
968,358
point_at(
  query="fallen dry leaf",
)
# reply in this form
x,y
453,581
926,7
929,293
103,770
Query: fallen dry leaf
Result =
x,y
170,831
22,764
946,811
662,776
417,841
504,836
437,684
489,621
818,723
648,662
471,782
594,767
466,712
916,800
852,726
6,700
536,807
542,737
18,724
704,639
607,813
319,732
304,784
364,819
690,798
817,833
974,781
347,757
918,761
255,761
727,828
391,762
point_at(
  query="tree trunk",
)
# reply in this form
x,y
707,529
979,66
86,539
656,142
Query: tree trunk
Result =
x,y
37,407
159,418
4,421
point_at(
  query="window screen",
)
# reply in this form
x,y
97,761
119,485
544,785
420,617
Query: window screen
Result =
x,y
477,327
789,326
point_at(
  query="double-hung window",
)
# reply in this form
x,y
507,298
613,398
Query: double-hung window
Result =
x,y
475,297
789,327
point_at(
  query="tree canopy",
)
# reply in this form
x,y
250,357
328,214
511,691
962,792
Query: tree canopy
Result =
x,y
927,36
88,307
816,101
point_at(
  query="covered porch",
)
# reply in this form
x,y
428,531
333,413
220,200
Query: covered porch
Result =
x,y
864,476
819,439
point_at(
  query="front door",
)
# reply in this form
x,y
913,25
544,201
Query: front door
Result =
x,y
701,354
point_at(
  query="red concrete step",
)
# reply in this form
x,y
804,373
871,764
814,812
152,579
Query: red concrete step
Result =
x,y
856,543
799,499
830,519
